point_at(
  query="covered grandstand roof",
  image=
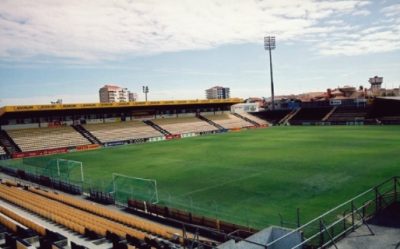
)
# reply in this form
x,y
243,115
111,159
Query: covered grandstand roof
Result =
x,y
93,106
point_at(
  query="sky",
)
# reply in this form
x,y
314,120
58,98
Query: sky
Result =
x,y
52,49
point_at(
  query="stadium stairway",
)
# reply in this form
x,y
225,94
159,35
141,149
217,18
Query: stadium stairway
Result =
x,y
219,127
9,145
89,136
156,127
246,119
329,114
289,116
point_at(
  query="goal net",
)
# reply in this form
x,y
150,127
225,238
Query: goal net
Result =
x,y
61,169
127,187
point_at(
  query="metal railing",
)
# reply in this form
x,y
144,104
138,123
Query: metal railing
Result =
x,y
328,228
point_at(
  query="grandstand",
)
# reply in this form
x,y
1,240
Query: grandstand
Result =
x,y
46,138
183,125
343,115
253,118
120,131
380,110
228,121
49,129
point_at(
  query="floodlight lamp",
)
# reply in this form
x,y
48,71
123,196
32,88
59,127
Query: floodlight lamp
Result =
x,y
269,42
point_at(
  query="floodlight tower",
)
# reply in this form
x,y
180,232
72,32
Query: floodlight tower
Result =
x,y
145,91
269,44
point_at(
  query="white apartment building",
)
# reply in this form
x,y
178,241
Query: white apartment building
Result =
x,y
113,93
218,92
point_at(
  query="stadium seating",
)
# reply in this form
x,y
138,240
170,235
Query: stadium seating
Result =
x,y
272,117
36,139
120,131
390,119
254,118
310,115
184,125
229,121
342,115
11,225
22,233
46,138
129,220
72,218
81,216
386,111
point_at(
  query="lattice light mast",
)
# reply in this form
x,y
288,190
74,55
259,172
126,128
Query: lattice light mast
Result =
x,y
269,44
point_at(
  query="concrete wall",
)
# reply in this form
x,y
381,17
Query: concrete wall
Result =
x,y
264,237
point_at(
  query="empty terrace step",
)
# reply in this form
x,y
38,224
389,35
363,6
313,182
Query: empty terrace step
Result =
x,y
246,119
210,122
348,114
156,127
272,116
85,133
310,115
9,145
34,139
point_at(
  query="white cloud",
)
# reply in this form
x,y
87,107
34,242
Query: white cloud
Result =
x,y
392,10
381,35
98,30
374,39
361,13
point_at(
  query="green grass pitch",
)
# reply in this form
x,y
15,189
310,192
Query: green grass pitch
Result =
x,y
250,177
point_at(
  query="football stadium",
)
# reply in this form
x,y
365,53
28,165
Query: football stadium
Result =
x,y
195,174
213,124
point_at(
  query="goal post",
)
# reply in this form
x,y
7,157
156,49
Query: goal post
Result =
x,y
129,187
69,165
57,168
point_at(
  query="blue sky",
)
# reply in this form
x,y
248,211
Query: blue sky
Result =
x,y
52,49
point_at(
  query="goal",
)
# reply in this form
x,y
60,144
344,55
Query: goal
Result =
x,y
62,169
128,187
